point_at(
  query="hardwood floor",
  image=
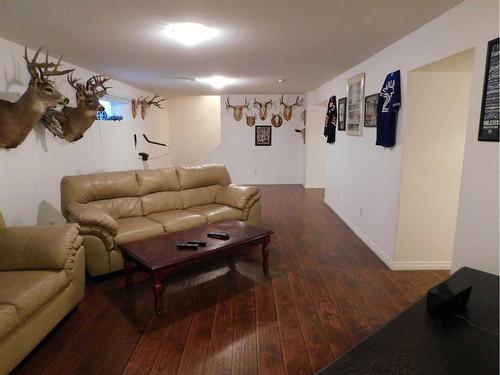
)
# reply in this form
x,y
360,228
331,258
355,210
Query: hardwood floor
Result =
x,y
325,293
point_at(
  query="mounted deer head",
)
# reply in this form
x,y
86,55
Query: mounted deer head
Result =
x,y
18,119
287,108
146,103
276,120
71,123
237,109
263,107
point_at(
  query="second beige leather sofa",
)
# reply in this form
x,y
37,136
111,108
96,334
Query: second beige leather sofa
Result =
x,y
117,207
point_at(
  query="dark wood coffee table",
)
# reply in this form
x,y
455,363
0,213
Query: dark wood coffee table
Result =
x,y
159,256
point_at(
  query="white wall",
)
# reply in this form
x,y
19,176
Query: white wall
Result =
x,y
314,163
363,180
281,163
30,174
437,107
194,126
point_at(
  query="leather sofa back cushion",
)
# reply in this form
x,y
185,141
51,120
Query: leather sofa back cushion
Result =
x,y
120,207
161,201
96,187
199,196
155,180
203,175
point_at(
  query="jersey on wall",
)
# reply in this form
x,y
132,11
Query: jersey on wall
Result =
x,y
389,102
331,120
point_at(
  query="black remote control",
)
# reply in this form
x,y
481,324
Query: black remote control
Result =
x,y
188,246
219,235
198,243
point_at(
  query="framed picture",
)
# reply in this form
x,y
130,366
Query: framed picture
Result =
x,y
488,122
263,135
341,113
371,102
355,104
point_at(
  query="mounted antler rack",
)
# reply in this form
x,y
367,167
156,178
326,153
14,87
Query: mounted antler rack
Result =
x,y
288,108
145,103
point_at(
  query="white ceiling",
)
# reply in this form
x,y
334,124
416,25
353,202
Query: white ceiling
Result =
x,y
261,41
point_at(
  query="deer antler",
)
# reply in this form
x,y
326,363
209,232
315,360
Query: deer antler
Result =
x,y
42,70
256,103
228,105
96,81
74,82
281,99
246,104
268,103
298,102
156,101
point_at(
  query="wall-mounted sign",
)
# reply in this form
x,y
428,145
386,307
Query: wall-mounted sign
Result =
x,y
488,124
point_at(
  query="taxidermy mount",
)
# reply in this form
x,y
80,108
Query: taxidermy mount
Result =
x,y
72,122
146,103
237,109
19,118
288,108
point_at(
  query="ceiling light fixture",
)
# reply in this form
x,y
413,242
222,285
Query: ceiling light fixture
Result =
x,y
217,81
190,34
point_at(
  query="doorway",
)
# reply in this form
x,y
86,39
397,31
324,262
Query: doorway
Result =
x,y
437,107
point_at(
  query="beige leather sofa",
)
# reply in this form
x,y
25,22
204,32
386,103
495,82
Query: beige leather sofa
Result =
x,y
42,278
117,207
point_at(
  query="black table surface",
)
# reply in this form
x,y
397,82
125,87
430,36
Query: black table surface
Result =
x,y
416,342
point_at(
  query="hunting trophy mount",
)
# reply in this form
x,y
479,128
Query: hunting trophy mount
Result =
x,y
250,118
19,118
72,122
237,109
263,107
288,108
276,120
145,103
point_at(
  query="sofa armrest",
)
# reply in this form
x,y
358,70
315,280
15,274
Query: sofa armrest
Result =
x,y
39,247
241,197
88,216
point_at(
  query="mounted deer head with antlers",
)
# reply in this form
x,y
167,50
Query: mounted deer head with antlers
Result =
x,y
237,109
276,120
288,108
72,122
146,103
19,118
263,107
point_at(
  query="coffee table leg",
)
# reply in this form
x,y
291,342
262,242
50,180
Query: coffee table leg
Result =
x,y
128,273
158,292
265,254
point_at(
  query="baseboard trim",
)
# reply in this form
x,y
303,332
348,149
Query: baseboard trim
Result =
x,y
313,187
413,266
393,265
371,245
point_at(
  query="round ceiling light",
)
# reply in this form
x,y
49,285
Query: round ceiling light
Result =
x,y
217,82
190,34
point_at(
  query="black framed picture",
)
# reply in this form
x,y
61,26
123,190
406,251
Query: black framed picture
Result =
x,y
263,135
371,102
488,122
341,113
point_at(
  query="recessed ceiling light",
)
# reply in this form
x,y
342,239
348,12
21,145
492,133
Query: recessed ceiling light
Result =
x,y
281,80
190,34
217,81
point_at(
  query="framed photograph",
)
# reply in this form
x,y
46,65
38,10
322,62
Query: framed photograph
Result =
x,y
355,104
341,107
371,102
263,135
488,122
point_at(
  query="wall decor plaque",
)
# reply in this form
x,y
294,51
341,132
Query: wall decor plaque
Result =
x,y
355,104
488,123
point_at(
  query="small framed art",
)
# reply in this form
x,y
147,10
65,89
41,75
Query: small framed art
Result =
x,y
371,102
341,110
263,135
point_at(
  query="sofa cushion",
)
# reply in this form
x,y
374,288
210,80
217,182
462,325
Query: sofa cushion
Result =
x,y
155,180
95,187
160,202
136,228
217,212
199,196
203,175
27,291
9,319
119,207
177,220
